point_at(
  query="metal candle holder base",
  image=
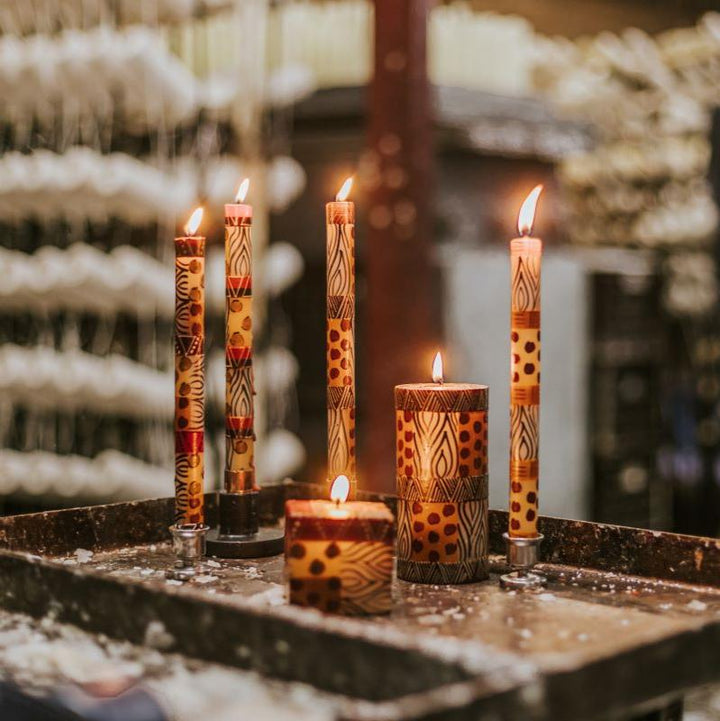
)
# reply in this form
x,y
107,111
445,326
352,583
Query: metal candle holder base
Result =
x,y
238,534
522,555
189,545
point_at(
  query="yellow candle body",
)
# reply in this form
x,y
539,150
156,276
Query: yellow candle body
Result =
x,y
239,385
525,264
189,379
340,342
339,558
442,482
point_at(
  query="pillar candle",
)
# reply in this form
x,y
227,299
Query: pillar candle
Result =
x,y
239,387
340,342
525,261
442,481
339,555
189,373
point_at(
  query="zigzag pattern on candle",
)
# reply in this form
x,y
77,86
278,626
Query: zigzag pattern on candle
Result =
x,y
443,573
239,384
189,379
465,488
340,344
439,399
524,386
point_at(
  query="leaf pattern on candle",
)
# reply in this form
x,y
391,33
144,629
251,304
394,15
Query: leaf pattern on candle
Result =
x,y
525,282
340,260
341,443
524,427
239,391
238,249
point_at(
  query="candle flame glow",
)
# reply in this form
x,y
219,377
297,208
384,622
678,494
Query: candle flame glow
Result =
x,y
242,191
437,369
194,223
340,489
345,190
526,216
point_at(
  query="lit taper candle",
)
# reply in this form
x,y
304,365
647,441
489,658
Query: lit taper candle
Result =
x,y
239,408
189,373
525,262
340,343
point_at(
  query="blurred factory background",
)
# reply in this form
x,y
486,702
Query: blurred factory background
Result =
x,y
117,116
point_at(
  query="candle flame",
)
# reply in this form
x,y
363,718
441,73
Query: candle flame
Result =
x,y
194,223
345,190
242,191
437,369
340,489
526,216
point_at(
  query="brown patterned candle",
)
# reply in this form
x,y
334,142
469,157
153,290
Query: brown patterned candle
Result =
x,y
340,342
189,373
442,480
339,556
239,431
525,261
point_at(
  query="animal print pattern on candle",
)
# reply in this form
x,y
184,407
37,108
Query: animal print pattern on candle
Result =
x,y
441,445
189,379
239,385
442,489
340,343
524,387
347,577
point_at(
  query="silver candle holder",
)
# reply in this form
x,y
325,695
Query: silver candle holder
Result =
x,y
188,541
522,555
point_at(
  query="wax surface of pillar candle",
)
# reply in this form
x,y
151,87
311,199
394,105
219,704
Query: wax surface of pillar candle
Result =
x,y
189,378
525,262
339,558
442,482
239,387
340,342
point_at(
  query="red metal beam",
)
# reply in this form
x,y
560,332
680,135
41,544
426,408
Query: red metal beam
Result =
x,y
400,328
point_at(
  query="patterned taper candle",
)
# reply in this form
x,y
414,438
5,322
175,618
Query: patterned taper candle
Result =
x,y
339,556
340,343
189,373
239,431
525,261
442,481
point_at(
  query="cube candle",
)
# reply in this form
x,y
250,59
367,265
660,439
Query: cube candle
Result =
x,y
339,556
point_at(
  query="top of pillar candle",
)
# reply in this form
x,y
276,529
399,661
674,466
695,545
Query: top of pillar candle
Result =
x,y
190,245
526,244
323,520
340,212
441,397
238,210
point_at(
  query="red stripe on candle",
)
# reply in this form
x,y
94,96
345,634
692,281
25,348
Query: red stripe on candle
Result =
x,y
238,281
189,441
238,423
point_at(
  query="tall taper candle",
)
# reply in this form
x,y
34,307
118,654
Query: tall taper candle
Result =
x,y
189,372
525,261
239,387
340,344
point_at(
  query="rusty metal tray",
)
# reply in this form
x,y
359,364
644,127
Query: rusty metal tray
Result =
x,y
629,621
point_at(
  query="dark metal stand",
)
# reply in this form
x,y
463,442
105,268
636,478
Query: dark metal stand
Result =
x,y
238,534
522,555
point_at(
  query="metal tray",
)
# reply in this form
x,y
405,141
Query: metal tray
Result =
x,y
629,621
